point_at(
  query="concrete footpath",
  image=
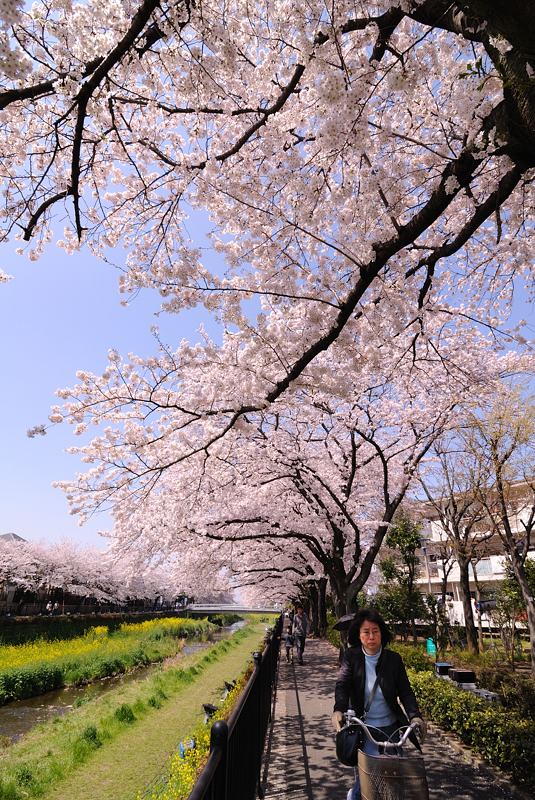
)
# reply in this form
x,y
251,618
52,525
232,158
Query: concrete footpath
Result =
x,y
301,763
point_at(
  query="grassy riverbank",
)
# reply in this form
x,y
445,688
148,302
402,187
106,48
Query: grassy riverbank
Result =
x,y
115,745
36,667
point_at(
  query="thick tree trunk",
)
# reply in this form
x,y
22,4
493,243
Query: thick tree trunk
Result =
x,y
339,593
529,600
464,586
350,605
314,610
322,606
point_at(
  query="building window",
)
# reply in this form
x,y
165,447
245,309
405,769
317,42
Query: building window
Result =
x,y
483,567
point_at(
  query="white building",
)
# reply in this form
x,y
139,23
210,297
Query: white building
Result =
x,y
437,560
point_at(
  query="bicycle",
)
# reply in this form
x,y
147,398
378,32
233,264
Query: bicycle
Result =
x,y
393,774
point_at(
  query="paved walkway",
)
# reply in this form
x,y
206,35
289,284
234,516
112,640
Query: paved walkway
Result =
x,y
301,762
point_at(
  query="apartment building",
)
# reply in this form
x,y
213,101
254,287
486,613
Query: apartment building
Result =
x,y
440,570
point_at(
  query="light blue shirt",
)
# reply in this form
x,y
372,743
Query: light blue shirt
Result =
x,y
380,714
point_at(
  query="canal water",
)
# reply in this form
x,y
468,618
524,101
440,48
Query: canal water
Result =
x,y
21,716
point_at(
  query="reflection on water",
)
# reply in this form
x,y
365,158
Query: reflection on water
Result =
x,y
19,717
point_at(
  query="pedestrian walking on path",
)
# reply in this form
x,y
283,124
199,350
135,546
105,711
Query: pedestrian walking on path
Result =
x,y
300,629
301,762
289,642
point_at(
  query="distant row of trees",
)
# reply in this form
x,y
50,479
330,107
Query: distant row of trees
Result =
x,y
44,571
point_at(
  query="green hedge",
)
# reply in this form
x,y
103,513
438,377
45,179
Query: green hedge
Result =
x,y
332,635
502,737
414,657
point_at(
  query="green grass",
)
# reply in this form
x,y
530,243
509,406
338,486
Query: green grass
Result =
x,y
113,746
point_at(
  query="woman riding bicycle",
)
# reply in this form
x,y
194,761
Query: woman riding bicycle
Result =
x,y
372,680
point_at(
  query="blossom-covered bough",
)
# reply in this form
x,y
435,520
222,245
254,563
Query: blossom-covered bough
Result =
x,y
304,494
366,169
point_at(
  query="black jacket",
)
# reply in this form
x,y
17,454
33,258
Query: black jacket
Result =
x,y
393,680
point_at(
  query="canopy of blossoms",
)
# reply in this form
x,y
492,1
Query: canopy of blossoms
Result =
x,y
366,170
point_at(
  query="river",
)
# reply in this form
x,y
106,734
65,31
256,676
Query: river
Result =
x,y
21,716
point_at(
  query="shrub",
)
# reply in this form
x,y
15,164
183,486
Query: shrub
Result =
x,y
332,635
502,737
154,701
414,656
28,681
24,775
124,713
91,735
516,692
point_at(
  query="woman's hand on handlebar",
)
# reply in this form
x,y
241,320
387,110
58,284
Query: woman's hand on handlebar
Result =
x,y
420,728
337,720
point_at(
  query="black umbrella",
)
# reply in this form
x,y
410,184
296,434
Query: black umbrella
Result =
x,y
344,623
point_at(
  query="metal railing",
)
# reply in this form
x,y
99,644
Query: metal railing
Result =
x,y
232,771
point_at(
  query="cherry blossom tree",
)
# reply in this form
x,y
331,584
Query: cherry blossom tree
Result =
x,y
326,473
366,169
331,483
275,571
83,571
19,565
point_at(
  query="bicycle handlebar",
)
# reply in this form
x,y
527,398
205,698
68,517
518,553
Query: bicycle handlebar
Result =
x,y
352,719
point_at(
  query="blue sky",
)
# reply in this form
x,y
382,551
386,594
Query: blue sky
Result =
x,y
60,314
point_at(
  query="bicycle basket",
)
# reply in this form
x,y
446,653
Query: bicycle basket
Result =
x,y
348,742
392,777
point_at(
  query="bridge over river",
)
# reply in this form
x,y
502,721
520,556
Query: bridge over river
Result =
x,y
231,608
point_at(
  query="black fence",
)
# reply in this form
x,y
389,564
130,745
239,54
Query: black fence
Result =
x,y
232,771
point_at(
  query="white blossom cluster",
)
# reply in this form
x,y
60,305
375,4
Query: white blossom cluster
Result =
x,y
14,63
10,12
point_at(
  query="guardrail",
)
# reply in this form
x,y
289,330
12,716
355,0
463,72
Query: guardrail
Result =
x,y
232,771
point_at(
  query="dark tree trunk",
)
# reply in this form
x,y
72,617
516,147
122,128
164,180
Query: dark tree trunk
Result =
x,y
464,586
314,608
339,594
520,575
322,606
